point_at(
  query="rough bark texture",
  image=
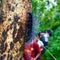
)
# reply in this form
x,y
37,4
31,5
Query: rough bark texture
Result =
x,y
13,18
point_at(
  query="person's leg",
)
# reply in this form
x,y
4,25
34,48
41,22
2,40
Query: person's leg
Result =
x,y
46,45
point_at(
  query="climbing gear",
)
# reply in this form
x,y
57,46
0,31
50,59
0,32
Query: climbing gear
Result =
x,y
51,54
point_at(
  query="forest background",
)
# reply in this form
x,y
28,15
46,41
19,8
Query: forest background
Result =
x,y
48,13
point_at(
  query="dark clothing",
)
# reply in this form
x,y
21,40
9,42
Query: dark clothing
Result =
x,y
46,44
43,40
38,58
28,27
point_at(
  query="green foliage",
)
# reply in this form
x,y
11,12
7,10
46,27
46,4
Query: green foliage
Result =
x,y
1,0
54,43
49,19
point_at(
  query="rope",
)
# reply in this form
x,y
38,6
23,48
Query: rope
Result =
x,y
51,54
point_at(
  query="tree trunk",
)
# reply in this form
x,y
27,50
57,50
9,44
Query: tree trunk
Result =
x,y
13,19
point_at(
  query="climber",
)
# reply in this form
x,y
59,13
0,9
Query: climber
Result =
x,y
32,51
44,37
38,46
35,51
40,43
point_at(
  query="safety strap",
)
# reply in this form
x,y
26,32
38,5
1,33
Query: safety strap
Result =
x,y
51,54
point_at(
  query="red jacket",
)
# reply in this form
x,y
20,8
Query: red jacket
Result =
x,y
31,50
35,49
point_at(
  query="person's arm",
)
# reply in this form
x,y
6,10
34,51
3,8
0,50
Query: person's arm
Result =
x,y
36,56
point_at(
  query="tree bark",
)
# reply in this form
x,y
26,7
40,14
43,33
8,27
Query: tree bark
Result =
x,y
13,19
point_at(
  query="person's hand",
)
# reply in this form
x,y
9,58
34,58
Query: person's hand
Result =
x,y
32,58
41,49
